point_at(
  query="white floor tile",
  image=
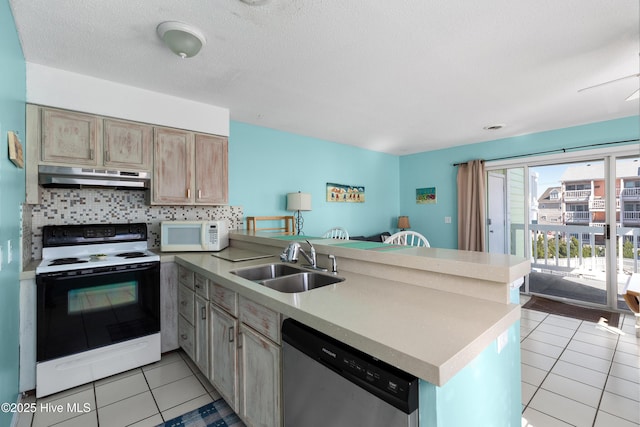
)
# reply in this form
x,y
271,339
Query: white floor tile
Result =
x,y
532,375
178,392
533,314
595,329
556,330
580,374
89,419
630,338
625,372
591,349
529,323
563,408
607,420
541,348
167,373
608,342
56,414
186,407
572,389
537,360
533,418
627,347
123,388
128,411
152,421
624,388
528,391
118,376
549,338
166,359
524,332
586,361
627,359
565,322
621,407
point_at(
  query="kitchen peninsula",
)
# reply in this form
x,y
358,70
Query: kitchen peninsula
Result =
x,y
448,317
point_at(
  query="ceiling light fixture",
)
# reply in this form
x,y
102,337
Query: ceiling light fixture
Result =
x,y
493,127
184,40
634,95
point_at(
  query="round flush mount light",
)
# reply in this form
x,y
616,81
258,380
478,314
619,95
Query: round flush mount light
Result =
x,y
183,40
494,127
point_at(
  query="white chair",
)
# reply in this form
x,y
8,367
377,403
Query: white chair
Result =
x,y
408,238
336,233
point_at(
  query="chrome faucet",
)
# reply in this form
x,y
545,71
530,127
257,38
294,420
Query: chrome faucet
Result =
x,y
290,254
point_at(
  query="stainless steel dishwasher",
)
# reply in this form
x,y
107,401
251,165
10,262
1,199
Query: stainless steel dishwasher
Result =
x,y
328,383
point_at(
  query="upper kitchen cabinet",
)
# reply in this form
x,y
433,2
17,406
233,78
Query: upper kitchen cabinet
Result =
x,y
127,145
211,169
189,168
77,139
69,138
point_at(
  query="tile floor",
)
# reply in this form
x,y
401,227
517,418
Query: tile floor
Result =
x,y
577,373
141,397
574,373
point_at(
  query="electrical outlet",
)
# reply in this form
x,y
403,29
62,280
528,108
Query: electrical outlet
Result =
x,y
447,220
9,252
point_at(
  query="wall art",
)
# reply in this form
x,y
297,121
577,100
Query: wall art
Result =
x,y
425,195
341,193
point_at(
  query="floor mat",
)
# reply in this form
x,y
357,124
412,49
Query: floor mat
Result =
x,y
570,310
215,414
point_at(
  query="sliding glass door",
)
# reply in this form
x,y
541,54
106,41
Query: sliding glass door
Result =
x,y
577,221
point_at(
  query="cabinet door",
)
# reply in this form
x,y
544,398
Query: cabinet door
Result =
x,y
127,145
185,337
172,172
202,336
211,169
259,379
69,138
224,354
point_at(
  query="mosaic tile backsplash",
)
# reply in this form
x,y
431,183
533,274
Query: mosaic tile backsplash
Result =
x,y
106,206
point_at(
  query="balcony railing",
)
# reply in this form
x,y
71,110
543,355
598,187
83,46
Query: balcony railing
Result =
x,y
558,252
576,195
630,193
631,217
599,205
580,217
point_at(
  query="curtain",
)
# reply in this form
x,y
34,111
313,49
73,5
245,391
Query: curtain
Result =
x,y
471,206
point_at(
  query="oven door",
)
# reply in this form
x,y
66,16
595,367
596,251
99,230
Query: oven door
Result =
x,y
80,310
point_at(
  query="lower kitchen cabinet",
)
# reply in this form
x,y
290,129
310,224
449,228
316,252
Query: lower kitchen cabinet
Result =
x,y
223,329
260,374
168,307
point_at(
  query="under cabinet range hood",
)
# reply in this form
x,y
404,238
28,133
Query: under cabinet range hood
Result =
x,y
76,177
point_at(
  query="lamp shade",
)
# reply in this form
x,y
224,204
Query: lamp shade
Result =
x,y
403,222
183,40
298,201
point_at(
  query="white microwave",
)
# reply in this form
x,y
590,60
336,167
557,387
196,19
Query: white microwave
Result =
x,y
192,236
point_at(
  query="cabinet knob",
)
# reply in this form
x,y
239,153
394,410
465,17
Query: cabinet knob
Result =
x,y
183,303
183,336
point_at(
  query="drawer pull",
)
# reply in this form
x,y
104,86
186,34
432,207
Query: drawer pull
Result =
x,y
198,286
199,194
183,303
188,193
231,334
183,336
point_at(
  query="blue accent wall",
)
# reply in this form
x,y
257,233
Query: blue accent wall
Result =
x,y
266,164
435,169
12,118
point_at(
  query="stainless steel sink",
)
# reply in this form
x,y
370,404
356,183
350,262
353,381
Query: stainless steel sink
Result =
x,y
264,272
301,282
286,278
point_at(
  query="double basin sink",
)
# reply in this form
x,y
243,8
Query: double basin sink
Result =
x,y
286,278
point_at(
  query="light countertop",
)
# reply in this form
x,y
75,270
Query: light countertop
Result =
x,y
427,332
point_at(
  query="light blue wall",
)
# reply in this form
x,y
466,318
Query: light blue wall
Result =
x,y
12,110
486,392
266,164
435,169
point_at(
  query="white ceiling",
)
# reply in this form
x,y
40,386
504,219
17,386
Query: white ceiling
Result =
x,y
392,76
